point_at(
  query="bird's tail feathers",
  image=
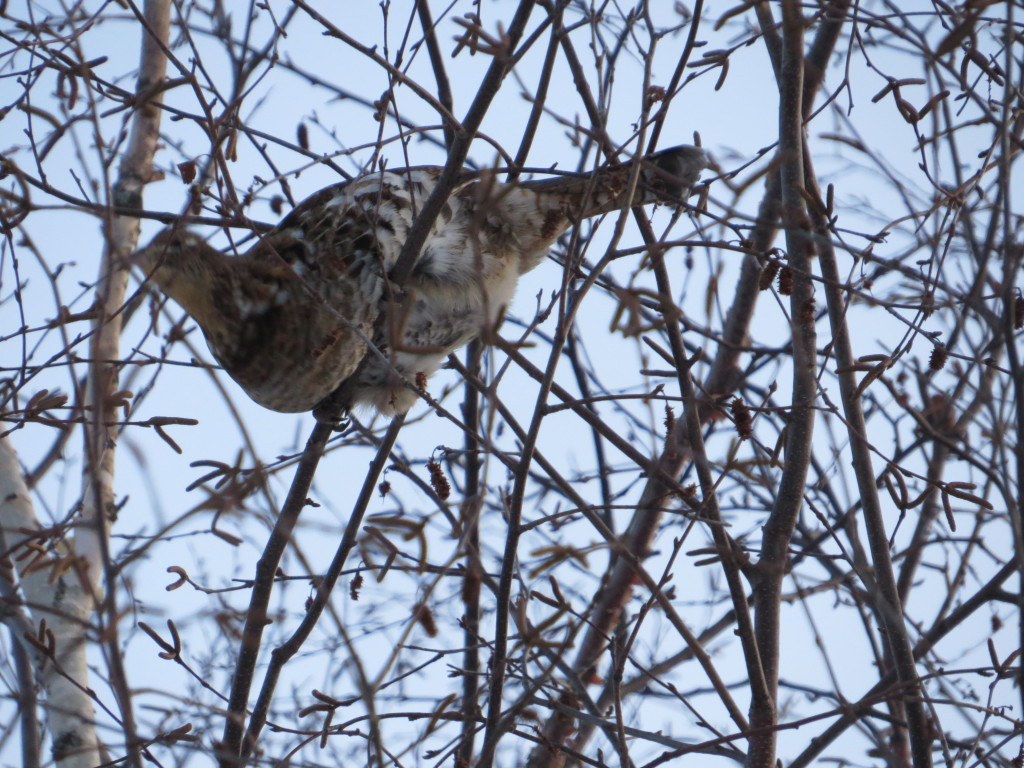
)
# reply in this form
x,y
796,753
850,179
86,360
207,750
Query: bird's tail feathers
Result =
x,y
667,177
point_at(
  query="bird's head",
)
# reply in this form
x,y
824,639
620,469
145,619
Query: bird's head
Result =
x,y
675,171
184,266
174,247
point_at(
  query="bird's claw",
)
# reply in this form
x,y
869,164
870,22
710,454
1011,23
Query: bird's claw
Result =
x,y
333,416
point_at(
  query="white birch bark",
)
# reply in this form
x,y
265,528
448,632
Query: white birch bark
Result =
x,y
62,585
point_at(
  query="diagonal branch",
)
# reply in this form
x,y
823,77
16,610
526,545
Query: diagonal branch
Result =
x,y
888,603
231,747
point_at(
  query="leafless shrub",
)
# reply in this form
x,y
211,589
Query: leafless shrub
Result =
x,y
742,480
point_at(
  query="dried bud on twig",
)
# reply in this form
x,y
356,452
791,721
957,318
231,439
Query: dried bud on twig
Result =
x,y
741,416
655,94
438,481
786,281
423,616
768,273
187,170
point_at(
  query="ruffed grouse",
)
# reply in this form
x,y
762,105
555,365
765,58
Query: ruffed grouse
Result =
x,y
289,319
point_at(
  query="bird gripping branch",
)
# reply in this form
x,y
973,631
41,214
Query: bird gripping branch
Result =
x,y
290,318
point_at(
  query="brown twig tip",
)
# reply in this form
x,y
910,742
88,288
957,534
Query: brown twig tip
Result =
x,y
182,579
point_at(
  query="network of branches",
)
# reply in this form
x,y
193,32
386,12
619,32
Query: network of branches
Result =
x,y
738,481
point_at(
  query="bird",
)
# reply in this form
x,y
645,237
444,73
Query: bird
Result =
x,y
301,320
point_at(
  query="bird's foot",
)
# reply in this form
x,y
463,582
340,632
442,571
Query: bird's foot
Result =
x,y
332,415
335,410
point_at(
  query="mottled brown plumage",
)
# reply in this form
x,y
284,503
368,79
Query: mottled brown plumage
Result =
x,y
290,318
